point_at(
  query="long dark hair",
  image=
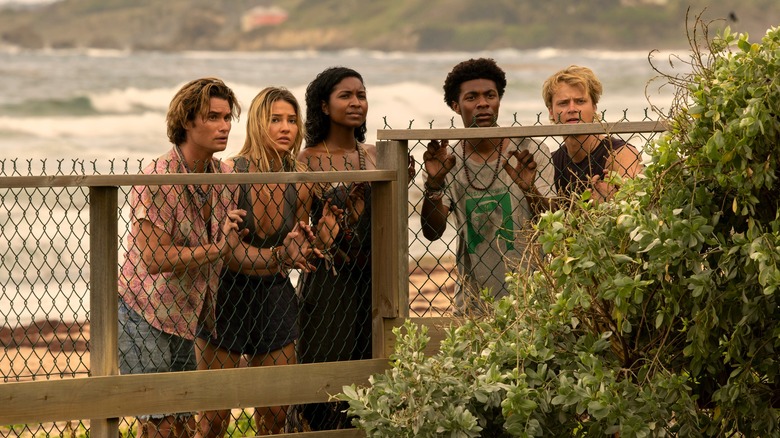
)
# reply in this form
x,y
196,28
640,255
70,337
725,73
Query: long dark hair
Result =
x,y
318,91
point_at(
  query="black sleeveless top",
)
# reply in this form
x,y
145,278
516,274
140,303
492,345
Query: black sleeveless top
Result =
x,y
356,243
288,211
571,177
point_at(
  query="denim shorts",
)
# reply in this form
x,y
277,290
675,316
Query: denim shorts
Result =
x,y
143,349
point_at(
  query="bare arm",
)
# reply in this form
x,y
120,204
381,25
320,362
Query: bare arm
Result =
x,y
438,163
433,218
292,253
626,162
160,255
251,260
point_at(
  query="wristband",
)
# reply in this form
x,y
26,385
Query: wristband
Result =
x,y
432,188
433,193
278,258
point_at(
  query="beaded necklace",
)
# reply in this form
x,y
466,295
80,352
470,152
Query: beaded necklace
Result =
x,y
345,228
495,171
361,156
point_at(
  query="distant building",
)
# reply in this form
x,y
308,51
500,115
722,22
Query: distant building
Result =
x,y
643,2
263,16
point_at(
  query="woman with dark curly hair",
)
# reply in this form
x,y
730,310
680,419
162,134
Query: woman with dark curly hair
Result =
x,y
335,313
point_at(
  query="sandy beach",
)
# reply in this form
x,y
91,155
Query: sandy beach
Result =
x,y
50,349
54,349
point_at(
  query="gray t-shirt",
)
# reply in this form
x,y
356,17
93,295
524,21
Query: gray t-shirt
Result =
x,y
492,217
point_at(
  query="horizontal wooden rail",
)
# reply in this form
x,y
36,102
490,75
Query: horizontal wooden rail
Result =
x,y
522,131
195,178
342,433
132,395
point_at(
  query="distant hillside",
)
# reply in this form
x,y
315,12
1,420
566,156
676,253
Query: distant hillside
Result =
x,y
408,25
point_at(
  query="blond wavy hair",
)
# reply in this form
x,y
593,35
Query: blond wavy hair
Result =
x,y
574,76
258,146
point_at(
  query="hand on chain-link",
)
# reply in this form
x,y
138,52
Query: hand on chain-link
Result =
x,y
298,245
356,202
524,172
230,231
438,162
603,188
328,225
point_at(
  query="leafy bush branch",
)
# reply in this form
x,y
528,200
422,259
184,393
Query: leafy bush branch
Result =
x,y
655,314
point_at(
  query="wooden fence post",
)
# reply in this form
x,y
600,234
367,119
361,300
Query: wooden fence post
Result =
x,y
389,245
103,294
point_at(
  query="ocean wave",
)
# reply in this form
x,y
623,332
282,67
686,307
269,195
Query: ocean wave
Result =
x,y
105,53
132,100
250,55
119,101
595,54
87,127
75,106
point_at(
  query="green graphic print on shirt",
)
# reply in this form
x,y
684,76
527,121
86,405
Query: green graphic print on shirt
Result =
x,y
488,213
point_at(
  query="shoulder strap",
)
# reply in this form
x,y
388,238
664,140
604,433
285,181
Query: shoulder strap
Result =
x,y
241,164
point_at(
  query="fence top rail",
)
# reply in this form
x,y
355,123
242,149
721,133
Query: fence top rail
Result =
x,y
9,182
522,131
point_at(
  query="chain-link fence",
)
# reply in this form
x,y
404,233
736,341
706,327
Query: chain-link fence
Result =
x,y
255,307
488,216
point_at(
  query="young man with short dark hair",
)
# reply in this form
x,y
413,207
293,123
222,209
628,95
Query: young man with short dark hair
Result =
x,y
494,186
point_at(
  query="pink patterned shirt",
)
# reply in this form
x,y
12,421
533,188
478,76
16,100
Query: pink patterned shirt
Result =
x,y
173,302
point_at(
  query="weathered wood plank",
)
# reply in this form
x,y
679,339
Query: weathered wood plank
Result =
x,y
194,178
522,131
390,251
103,293
344,433
133,395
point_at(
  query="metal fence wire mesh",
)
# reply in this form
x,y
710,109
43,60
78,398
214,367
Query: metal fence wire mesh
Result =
x,y
488,225
247,309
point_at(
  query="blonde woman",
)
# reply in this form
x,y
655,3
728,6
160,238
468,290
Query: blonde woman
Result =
x,y
256,304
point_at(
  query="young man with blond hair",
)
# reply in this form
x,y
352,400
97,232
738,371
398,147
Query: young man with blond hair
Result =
x,y
585,161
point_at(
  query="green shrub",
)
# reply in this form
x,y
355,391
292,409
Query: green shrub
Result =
x,y
657,314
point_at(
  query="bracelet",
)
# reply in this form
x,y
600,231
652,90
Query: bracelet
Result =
x,y
433,194
345,228
327,257
278,258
